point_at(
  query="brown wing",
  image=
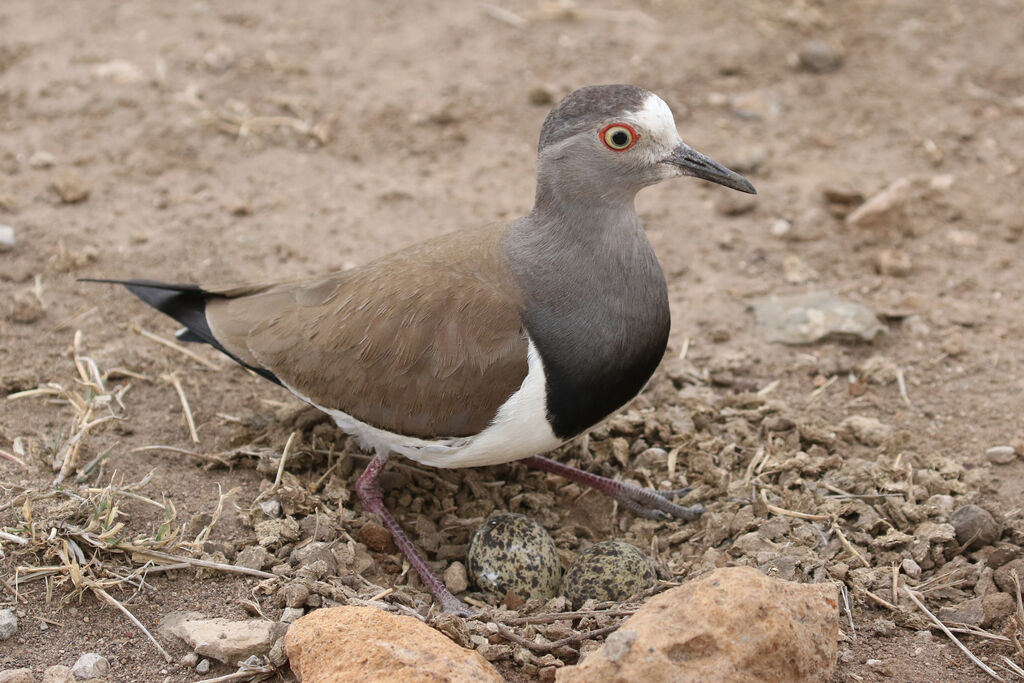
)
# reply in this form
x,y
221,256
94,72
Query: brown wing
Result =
x,y
425,342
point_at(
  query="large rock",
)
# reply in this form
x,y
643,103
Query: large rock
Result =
x,y
367,644
226,641
730,625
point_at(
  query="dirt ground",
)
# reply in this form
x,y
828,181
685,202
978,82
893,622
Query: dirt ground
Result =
x,y
239,141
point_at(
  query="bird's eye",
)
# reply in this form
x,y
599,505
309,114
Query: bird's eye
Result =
x,y
619,137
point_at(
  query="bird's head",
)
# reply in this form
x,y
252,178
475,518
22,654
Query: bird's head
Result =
x,y
613,140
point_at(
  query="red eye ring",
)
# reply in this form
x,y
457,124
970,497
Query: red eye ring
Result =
x,y
618,137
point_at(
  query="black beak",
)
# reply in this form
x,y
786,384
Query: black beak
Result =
x,y
695,164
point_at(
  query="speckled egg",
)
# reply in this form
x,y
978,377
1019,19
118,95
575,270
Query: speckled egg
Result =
x,y
610,570
514,553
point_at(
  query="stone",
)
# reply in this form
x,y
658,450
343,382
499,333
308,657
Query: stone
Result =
x,y
996,607
41,159
818,57
222,639
58,673
25,307
254,557
290,614
730,625
813,316
365,643
866,430
8,623
203,666
376,538
893,262
455,577
70,186
90,665
747,159
780,227
975,527
967,612
220,58
271,508
887,209
119,71
272,533
543,96
1002,554
797,271
17,676
911,568
1001,455
1003,578
7,239
295,594
735,203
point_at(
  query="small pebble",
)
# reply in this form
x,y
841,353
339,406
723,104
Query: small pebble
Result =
x,y
220,58
911,568
819,57
295,594
893,263
455,577
90,665
189,660
780,227
543,96
735,203
376,537
7,240
975,527
8,624
884,627
1001,455
290,614
271,508
25,307
58,673
203,666
70,186
41,159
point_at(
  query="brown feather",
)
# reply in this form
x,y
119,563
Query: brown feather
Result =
x,y
425,342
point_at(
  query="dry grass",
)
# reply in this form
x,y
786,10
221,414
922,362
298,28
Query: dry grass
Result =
x,y
75,535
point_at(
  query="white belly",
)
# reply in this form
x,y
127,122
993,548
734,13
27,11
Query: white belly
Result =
x,y
519,429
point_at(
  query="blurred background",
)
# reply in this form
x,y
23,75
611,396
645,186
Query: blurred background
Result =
x,y
236,141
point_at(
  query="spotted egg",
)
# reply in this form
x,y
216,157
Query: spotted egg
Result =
x,y
610,570
512,553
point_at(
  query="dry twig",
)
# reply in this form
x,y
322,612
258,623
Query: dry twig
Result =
x,y
548,647
173,380
920,605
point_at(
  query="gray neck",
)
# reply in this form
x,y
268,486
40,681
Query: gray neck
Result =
x,y
595,302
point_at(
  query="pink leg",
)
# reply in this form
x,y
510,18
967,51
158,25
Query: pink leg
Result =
x,y
369,492
643,502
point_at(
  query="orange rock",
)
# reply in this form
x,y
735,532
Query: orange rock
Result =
x,y
367,644
731,625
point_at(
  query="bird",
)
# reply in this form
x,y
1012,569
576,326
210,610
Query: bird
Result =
x,y
487,345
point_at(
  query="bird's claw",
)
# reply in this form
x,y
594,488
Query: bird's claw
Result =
x,y
658,505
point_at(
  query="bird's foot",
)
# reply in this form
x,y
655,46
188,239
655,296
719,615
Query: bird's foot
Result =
x,y
369,492
643,502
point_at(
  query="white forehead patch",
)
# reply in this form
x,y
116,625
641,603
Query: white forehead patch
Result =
x,y
656,119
